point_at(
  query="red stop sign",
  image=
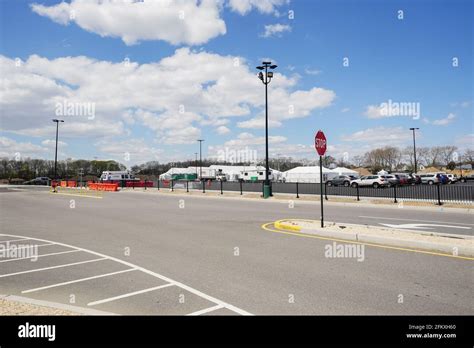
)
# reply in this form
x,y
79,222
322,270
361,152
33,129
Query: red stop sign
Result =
x,y
320,143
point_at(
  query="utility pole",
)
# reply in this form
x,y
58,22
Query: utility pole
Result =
x,y
196,163
200,157
56,152
414,148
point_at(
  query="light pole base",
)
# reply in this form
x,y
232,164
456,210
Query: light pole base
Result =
x,y
266,191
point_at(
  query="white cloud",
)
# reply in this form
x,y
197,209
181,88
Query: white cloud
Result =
x,y
177,22
263,6
52,143
130,151
170,97
11,149
345,109
221,130
463,104
275,30
445,121
258,122
465,141
374,111
247,139
379,137
312,71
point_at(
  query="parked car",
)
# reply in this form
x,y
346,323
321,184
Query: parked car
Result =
x,y
430,178
42,180
403,178
415,179
393,180
452,178
370,180
464,179
341,180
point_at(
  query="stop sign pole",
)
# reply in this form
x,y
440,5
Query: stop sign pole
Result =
x,y
320,144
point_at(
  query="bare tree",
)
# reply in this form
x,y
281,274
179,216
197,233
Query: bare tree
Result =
x,y
448,153
358,161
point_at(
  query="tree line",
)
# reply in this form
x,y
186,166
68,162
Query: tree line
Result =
x,y
389,158
28,168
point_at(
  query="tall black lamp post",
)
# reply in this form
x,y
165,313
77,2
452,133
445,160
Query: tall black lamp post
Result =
x,y
200,158
196,163
266,77
414,148
56,152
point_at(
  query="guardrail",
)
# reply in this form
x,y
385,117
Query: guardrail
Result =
x,y
437,194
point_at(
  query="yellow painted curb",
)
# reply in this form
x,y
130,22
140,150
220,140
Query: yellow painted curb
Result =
x,y
305,235
285,225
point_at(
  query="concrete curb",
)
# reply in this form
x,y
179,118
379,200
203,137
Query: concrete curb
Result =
x,y
55,305
453,249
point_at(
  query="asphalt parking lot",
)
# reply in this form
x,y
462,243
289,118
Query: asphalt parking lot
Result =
x,y
150,253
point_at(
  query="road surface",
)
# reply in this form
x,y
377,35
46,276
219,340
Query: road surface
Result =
x,y
151,253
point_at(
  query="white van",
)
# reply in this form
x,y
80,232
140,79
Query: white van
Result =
x,y
429,178
117,176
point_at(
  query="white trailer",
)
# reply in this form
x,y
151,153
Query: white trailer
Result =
x,y
256,175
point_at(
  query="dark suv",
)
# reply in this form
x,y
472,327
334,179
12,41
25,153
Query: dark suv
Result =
x,y
38,181
341,180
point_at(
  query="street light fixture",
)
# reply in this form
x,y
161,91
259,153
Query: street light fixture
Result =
x,y
266,78
200,158
414,148
56,152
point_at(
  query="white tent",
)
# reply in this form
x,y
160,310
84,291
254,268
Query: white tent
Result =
x,y
345,171
307,174
382,172
171,171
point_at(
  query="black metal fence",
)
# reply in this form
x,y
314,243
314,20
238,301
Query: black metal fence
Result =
x,y
438,194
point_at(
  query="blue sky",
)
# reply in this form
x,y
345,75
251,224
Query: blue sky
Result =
x,y
403,60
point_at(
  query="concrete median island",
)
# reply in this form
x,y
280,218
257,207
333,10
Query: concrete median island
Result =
x,y
453,245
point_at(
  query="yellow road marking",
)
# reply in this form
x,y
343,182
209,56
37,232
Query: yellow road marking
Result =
x,y
75,195
300,234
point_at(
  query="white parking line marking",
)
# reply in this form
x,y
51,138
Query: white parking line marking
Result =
x,y
28,246
206,310
52,267
110,299
415,220
77,280
154,274
423,226
31,257
13,240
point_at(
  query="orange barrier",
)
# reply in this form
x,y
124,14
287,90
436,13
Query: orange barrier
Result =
x,y
102,187
68,184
